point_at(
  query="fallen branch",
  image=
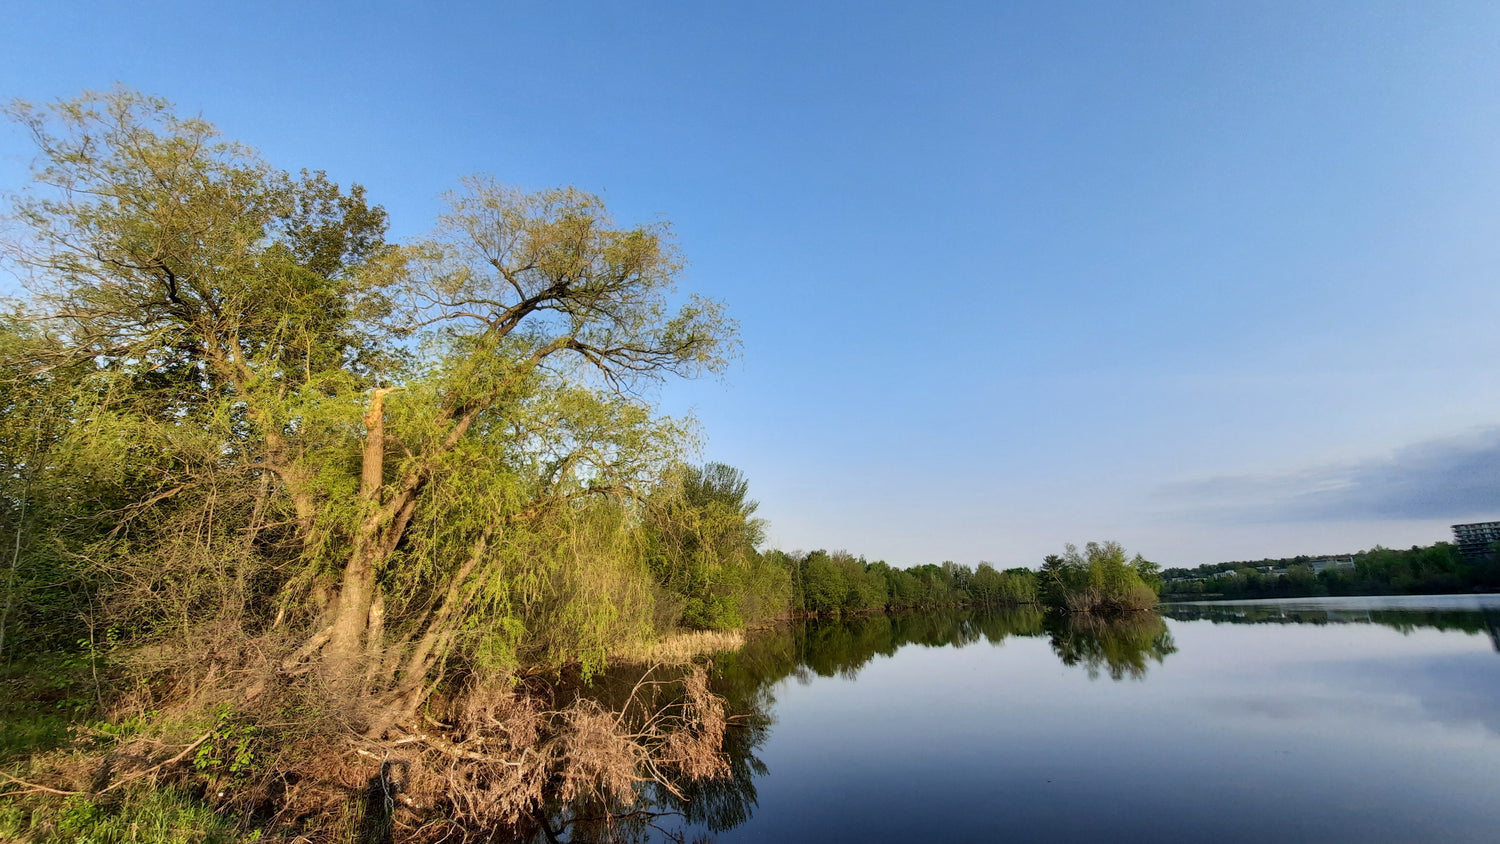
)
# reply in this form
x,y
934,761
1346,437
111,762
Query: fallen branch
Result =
x,y
317,641
31,786
456,752
153,769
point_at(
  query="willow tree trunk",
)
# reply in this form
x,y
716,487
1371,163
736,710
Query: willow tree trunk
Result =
x,y
347,643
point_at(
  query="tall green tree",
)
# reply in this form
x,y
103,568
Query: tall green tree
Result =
x,y
703,549
390,458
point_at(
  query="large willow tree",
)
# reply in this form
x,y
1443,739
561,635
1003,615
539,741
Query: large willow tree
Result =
x,y
378,463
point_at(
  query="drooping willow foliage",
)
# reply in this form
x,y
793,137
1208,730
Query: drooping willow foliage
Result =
x,y
238,418
265,472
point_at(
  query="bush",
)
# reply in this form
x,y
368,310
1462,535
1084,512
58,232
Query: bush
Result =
x,y
1099,580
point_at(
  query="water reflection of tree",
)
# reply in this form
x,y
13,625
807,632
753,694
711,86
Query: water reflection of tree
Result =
x,y
722,804
1486,622
656,810
746,679
1122,646
841,647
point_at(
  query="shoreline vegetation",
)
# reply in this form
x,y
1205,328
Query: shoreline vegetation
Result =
x,y
313,536
1434,569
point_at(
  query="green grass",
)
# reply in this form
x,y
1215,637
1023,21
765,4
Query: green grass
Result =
x,y
155,816
39,701
25,733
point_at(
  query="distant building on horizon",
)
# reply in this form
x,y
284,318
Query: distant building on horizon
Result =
x,y
1320,566
1474,540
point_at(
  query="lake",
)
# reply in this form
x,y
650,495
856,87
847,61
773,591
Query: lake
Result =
x,y
1339,719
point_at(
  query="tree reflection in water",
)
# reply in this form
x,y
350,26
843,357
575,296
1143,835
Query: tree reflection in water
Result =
x,y
1334,611
1119,648
838,647
1123,647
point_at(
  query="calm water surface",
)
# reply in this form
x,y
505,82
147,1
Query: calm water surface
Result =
x,y
1344,719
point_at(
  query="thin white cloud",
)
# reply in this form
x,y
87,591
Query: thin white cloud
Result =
x,y
1450,478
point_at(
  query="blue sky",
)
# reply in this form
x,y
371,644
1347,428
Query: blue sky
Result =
x,y
1217,280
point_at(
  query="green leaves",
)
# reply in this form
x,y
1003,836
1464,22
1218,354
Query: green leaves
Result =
x,y
703,539
1098,579
224,326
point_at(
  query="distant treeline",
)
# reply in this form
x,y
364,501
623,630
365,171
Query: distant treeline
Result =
x,y
1100,578
827,583
1406,620
1435,568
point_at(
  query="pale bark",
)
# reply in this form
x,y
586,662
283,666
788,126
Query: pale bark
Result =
x,y
356,589
374,637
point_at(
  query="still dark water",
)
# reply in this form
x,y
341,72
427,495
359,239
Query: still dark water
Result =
x,y
1344,719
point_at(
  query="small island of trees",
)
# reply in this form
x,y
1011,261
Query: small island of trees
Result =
x,y
1100,579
